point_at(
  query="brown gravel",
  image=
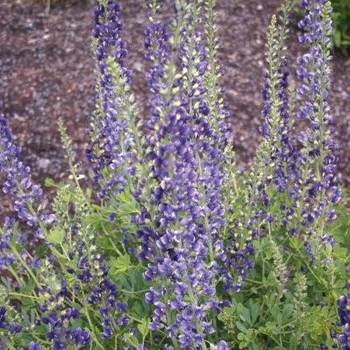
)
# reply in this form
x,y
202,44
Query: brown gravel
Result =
x,y
46,71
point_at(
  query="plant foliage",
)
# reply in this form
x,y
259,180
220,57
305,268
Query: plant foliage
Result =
x,y
174,247
341,18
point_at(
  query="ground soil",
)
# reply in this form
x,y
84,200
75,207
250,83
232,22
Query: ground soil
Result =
x,y
46,72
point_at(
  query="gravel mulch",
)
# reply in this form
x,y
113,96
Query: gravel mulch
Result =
x,y
46,72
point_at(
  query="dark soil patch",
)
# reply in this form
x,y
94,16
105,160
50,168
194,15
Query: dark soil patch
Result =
x,y
46,69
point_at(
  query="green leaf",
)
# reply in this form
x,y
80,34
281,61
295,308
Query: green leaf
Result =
x,y
77,322
123,283
124,196
287,312
71,280
105,243
56,236
241,327
49,182
28,287
126,209
295,243
275,311
131,339
337,37
137,309
293,342
143,327
340,252
255,311
121,264
246,315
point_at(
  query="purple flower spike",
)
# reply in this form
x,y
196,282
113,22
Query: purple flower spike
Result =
x,y
321,190
187,166
19,185
112,140
344,321
34,346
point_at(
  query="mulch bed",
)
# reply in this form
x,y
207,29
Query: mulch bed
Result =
x,y
46,68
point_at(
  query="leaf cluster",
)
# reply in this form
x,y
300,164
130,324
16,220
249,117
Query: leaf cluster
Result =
x,y
341,18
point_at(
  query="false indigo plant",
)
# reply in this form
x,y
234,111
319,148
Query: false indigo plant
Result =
x,y
320,188
113,128
172,247
184,242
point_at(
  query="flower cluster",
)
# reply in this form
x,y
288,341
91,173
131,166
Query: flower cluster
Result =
x,y
183,246
85,275
344,319
92,286
28,196
313,94
7,257
157,46
11,326
59,322
112,141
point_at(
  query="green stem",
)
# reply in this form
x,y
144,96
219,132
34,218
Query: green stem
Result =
x,y
24,296
92,326
24,264
15,275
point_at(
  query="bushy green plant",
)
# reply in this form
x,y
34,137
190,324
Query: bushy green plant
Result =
x,y
174,247
341,18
